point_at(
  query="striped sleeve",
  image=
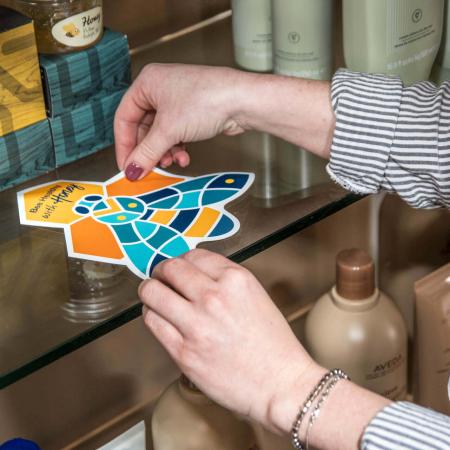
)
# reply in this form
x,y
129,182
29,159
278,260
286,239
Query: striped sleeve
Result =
x,y
392,138
407,426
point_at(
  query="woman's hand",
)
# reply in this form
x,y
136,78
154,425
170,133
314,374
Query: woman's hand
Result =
x,y
171,104
227,336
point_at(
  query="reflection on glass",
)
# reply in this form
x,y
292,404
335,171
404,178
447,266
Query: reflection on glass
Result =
x,y
95,290
282,168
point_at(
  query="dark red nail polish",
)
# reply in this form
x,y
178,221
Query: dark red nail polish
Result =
x,y
133,171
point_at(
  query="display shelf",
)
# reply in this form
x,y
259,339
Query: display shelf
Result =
x,y
51,305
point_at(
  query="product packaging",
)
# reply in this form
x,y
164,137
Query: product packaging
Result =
x,y
252,34
84,130
25,154
398,37
76,78
64,26
22,100
432,340
184,418
358,329
303,38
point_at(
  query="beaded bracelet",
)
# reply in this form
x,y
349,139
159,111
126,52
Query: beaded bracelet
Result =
x,y
327,382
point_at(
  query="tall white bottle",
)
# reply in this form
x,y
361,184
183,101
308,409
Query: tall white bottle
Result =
x,y
399,37
252,34
302,32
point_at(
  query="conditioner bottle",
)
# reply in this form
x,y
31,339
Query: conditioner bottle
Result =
x,y
359,329
303,38
399,37
185,419
252,34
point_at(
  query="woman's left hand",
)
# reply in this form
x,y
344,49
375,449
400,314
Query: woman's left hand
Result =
x,y
225,333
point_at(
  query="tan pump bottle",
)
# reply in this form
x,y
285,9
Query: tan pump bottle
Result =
x,y
399,37
185,419
359,329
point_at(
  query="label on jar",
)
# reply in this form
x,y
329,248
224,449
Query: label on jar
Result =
x,y
81,29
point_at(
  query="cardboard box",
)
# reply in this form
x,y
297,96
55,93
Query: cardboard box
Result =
x,y
21,97
84,130
25,154
76,78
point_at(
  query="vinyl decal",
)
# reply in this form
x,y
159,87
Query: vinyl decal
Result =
x,y
137,224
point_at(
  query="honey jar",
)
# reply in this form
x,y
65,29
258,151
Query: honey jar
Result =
x,y
63,26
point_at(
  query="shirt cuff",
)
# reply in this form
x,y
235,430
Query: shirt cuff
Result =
x,y
404,425
367,107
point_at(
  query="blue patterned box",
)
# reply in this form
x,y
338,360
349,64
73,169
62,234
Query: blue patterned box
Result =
x,y
75,78
25,154
84,130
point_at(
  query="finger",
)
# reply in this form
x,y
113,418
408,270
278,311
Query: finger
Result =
x,y
212,264
185,278
167,335
144,126
166,160
132,109
180,155
149,151
165,302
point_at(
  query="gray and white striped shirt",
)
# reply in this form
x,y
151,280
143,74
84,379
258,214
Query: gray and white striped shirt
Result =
x,y
392,138
397,139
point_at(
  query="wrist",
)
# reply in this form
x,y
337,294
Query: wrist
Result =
x,y
287,401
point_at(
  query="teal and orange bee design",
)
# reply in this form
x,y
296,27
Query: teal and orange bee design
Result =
x,y
136,224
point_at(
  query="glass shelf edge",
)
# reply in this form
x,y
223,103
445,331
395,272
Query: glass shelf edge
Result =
x,y
134,311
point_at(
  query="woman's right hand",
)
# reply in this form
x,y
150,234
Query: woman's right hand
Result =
x,y
169,105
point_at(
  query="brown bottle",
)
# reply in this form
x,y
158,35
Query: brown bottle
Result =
x,y
359,329
185,419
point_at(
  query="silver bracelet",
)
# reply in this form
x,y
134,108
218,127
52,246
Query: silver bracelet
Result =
x,y
316,412
295,433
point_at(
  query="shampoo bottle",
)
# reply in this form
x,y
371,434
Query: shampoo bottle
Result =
x,y
252,34
184,418
359,329
399,37
303,38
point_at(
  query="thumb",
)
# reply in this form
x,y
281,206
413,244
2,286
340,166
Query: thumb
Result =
x,y
148,153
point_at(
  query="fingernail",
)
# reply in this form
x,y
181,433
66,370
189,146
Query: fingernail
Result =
x,y
133,171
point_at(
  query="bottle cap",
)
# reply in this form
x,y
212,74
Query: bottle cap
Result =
x,y
355,274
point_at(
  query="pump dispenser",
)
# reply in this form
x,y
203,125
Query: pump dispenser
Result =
x,y
184,418
358,328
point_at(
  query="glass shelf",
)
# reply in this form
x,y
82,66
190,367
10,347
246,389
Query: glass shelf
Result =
x,y
51,305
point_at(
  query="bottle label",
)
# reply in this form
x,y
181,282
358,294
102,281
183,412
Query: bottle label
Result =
x,y
414,27
388,378
81,29
302,42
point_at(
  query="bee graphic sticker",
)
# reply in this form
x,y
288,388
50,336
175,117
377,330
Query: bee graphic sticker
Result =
x,y
137,224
